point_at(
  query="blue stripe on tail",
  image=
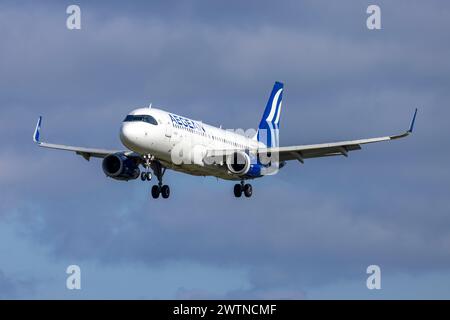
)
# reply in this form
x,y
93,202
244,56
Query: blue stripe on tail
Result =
x,y
269,126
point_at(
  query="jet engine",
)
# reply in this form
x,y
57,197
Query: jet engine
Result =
x,y
238,163
120,167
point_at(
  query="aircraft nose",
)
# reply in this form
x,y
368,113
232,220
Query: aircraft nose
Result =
x,y
127,135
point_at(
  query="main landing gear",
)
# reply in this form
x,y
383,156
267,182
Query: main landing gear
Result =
x,y
158,170
242,187
163,190
159,189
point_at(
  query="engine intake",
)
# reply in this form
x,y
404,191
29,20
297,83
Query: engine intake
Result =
x,y
120,167
238,163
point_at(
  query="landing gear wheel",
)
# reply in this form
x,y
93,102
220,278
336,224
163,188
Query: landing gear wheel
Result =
x,y
159,189
146,176
237,190
156,191
165,191
248,190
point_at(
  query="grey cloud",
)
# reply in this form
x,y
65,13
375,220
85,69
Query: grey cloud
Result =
x,y
13,287
308,226
7,286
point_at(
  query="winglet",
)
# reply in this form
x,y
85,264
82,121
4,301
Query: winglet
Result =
x,y
37,131
412,122
410,130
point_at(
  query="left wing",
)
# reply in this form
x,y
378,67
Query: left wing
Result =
x,y
330,149
310,151
86,153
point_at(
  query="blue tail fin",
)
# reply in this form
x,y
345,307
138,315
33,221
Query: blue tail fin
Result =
x,y
269,126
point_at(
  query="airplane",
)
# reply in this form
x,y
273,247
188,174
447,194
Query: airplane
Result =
x,y
158,140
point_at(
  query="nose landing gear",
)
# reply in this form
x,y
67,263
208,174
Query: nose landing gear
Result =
x,y
243,187
146,176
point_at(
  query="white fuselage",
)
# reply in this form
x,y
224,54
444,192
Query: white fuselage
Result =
x,y
171,133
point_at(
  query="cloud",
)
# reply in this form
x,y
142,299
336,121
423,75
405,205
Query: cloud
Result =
x,y
7,286
307,227
13,287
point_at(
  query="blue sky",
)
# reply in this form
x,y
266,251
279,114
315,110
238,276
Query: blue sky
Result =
x,y
308,232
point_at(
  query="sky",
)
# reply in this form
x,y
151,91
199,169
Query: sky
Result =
x,y
309,232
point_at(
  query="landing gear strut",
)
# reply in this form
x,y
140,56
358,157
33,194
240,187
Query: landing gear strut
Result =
x,y
147,175
242,187
158,171
158,189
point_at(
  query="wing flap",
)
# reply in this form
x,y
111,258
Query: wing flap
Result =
x,y
301,154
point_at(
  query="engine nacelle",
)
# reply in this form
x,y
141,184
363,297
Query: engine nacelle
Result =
x,y
243,165
238,163
118,166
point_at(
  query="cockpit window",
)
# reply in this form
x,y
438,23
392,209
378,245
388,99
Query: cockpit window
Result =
x,y
142,118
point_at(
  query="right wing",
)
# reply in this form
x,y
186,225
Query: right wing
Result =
x,y
86,153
